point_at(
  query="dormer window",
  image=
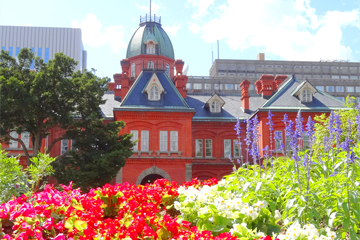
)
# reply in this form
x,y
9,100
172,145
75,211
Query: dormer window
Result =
x,y
215,106
154,88
154,93
306,96
133,70
150,49
167,69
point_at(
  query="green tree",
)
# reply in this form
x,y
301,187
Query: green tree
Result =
x,y
54,95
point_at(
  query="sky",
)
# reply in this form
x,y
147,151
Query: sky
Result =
x,y
282,29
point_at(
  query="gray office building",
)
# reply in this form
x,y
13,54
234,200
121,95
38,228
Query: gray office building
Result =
x,y
44,42
338,78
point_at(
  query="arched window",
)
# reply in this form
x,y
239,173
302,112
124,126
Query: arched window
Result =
x,y
133,70
215,106
306,97
150,64
150,49
154,93
168,69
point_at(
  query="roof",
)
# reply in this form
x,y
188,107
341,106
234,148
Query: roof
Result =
x,y
107,109
150,31
229,112
283,100
137,98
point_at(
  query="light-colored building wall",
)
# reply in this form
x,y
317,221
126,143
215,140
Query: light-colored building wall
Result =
x,y
343,76
65,40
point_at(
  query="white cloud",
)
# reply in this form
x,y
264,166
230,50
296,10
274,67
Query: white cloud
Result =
x,y
172,30
289,29
202,7
93,35
154,8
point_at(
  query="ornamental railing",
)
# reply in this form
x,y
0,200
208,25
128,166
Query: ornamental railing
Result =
x,y
150,18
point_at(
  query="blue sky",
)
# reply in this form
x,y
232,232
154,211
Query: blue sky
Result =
x,y
282,29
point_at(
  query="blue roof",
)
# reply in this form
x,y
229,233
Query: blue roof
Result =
x,y
170,100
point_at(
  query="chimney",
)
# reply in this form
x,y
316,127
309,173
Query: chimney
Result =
x,y
111,86
180,79
261,56
122,83
265,85
279,79
244,86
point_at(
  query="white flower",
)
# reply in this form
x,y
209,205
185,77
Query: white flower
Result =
x,y
238,203
250,211
221,183
244,225
277,215
204,210
177,205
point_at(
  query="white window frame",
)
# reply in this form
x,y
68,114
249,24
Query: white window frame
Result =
x,y
64,146
227,147
163,137
174,141
197,86
25,137
350,89
215,106
287,143
154,93
328,87
278,143
306,95
305,140
135,136
236,148
150,48
167,69
199,148
208,147
145,140
339,88
133,69
13,144
151,65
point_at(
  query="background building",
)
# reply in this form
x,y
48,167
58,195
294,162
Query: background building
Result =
x,y
338,78
44,42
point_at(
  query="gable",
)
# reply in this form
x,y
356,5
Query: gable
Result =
x,y
137,97
154,80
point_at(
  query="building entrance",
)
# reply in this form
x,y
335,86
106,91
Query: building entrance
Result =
x,y
150,178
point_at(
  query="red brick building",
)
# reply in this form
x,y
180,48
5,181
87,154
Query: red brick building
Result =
x,y
181,135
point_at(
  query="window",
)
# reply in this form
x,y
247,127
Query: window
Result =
x,y
330,88
353,68
150,48
335,77
64,146
278,142
188,85
251,87
174,141
25,137
73,142
305,140
306,67
135,136
154,93
197,86
237,87
167,69
344,77
260,66
11,51
199,147
144,140
236,148
47,53
39,52
278,66
297,66
316,67
208,147
3,48
227,148
215,106
350,89
340,89
326,67
287,143
133,69
207,86
216,86
12,143
354,77
358,99
229,86
163,141
341,98
151,65
269,66
334,67
17,51
343,67
357,89
306,97
251,75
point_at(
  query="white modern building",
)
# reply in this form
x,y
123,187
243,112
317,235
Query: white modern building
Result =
x,y
44,42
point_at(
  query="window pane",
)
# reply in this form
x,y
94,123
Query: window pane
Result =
x,y
321,88
12,143
163,141
39,52
64,146
199,147
330,88
305,140
135,136
25,138
197,86
236,148
11,51
144,140
350,89
47,56
173,140
188,86
339,88
208,147
133,70
168,69
17,51
227,148
357,89
32,63
278,142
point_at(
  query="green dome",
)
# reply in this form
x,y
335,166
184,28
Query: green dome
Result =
x,y
150,31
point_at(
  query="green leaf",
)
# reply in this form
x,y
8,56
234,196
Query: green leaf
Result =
x,y
346,223
80,225
300,210
346,209
69,223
